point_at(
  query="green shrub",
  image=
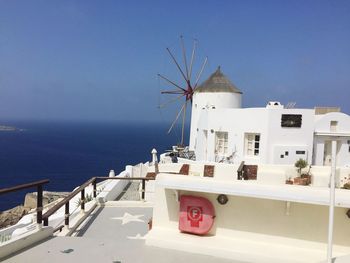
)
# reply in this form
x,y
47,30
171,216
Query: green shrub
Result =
x,y
300,164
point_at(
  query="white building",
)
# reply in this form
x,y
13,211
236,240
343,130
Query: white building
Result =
x,y
223,131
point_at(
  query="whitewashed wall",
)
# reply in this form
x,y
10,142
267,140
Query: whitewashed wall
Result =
x,y
322,125
274,139
322,122
203,101
266,122
289,138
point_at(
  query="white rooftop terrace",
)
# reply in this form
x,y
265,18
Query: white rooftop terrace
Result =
x,y
116,232
113,233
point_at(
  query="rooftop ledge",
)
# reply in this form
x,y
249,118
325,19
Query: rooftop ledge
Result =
x,y
333,134
291,193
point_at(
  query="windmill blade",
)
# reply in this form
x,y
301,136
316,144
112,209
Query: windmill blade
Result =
x,y
184,55
171,82
192,58
172,92
170,101
177,64
200,73
176,118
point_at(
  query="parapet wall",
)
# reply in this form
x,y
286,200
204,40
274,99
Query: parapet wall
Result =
x,y
266,174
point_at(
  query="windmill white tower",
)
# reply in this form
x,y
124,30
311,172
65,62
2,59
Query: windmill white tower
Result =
x,y
214,93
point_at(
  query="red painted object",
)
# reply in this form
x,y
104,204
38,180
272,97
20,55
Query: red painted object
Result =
x,y
196,215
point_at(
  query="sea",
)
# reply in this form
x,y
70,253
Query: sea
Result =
x,y
69,153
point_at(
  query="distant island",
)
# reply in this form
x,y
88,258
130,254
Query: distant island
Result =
x,y
8,128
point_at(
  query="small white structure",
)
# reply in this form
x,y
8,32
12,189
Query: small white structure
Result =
x,y
222,131
154,156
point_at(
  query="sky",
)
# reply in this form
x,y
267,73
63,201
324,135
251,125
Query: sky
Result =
x,y
99,60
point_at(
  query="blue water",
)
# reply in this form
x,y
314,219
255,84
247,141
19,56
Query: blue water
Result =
x,y
70,153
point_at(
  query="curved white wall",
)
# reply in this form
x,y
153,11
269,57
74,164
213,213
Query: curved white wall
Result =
x,y
322,123
217,99
210,101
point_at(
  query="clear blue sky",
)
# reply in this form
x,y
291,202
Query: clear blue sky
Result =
x,y
98,60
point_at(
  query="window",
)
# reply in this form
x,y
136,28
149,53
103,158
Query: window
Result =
x,y
286,153
300,152
221,142
291,120
333,125
252,144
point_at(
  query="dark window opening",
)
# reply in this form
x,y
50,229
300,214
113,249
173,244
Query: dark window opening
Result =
x,y
252,144
286,153
300,152
282,156
291,120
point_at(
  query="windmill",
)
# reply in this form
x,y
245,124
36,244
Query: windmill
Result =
x,y
185,90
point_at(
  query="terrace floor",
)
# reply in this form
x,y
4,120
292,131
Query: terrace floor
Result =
x,y
111,234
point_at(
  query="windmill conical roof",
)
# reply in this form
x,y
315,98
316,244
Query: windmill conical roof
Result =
x,y
218,82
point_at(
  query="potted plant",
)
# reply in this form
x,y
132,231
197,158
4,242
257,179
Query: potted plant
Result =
x,y
305,178
289,180
346,186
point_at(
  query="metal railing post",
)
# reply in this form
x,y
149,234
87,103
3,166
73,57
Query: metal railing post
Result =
x,y
95,190
82,198
66,215
240,172
39,193
81,189
143,189
39,205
